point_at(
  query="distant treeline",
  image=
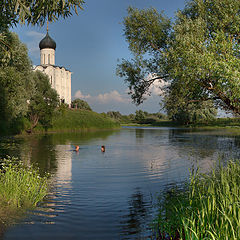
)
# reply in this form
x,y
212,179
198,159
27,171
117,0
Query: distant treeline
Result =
x,y
160,119
140,117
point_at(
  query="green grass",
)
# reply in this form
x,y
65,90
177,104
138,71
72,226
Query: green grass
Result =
x,y
160,123
208,208
76,120
220,123
21,188
231,123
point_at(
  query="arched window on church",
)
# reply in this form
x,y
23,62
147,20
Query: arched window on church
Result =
x,y
48,58
44,59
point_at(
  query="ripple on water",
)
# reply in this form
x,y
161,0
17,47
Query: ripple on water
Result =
x,y
112,195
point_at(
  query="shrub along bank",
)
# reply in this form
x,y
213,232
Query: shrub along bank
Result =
x,y
209,207
21,188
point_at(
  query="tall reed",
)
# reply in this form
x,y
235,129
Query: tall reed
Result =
x,y
209,208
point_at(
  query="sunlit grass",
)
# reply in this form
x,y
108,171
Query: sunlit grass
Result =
x,y
21,187
75,120
209,207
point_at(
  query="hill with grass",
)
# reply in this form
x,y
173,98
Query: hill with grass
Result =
x,y
77,120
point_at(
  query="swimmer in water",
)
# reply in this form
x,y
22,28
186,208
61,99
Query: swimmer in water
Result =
x,y
77,148
103,148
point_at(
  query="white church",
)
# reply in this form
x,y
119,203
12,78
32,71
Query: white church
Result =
x,y
60,77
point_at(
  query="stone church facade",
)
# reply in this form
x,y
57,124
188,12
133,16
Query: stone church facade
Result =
x,y
60,77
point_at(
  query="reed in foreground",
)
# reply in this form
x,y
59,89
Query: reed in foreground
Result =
x,y
208,208
21,187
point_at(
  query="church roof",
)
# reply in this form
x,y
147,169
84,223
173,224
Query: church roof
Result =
x,y
47,42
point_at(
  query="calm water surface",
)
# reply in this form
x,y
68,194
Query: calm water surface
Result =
x,y
111,195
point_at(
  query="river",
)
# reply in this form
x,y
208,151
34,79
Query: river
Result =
x,y
111,195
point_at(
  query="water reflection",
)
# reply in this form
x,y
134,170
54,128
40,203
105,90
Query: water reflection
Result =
x,y
64,166
202,144
135,221
139,135
109,196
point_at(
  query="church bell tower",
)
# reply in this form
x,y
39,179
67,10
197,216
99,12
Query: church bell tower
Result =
x,y
47,50
59,76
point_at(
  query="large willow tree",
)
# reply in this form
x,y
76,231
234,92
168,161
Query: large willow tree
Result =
x,y
198,54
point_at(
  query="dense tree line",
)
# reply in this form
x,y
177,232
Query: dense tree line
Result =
x,y
197,54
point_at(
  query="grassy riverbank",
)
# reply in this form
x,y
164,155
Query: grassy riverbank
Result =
x,y
208,207
64,120
71,120
220,123
233,123
21,188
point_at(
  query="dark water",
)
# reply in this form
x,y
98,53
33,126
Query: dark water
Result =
x,y
111,195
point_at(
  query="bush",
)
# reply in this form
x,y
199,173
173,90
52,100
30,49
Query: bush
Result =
x,y
80,104
20,186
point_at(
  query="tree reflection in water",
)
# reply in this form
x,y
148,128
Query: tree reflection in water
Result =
x,y
134,222
205,143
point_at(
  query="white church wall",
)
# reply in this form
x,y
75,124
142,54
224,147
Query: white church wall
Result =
x,y
60,80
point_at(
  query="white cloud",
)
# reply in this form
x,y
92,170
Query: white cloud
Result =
x,y
157,88
110,97
79,94
115,101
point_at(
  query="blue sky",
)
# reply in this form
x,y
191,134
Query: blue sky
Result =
x,y
90,44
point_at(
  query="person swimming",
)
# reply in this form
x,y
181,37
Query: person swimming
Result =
x,y
77,148
103,148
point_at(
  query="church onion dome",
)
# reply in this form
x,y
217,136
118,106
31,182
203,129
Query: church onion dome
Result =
x,y
47,42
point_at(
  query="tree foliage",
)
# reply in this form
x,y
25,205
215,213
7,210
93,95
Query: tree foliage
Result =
x,y
17,54
185,109
36,11
147,33
114,114
81,104
43,101
199,53
16,84
13,93
139,116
